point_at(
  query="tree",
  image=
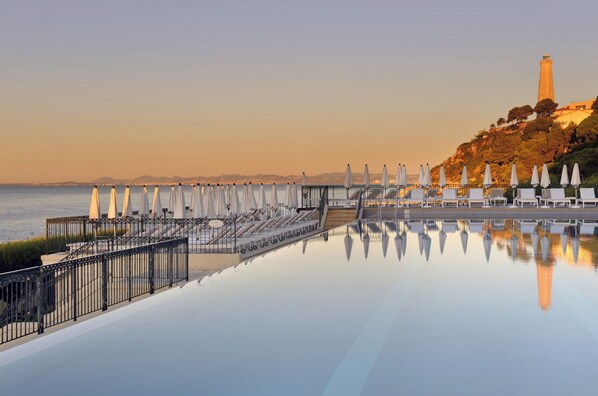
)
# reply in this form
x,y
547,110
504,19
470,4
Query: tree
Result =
x,y
524,112
587,131
492,126
545,107
520,114
595,105
502,150
501,121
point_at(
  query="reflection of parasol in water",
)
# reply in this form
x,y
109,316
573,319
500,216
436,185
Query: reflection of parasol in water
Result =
x,y
348,246
464,237
366,244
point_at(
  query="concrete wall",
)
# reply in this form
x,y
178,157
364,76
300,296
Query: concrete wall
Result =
x,y
213,261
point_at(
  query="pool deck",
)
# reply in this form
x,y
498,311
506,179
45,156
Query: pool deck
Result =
x,y
465,213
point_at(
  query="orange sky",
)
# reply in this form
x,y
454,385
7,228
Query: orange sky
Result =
x,y
207,88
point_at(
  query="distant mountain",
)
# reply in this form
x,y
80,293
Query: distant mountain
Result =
x,y
323,178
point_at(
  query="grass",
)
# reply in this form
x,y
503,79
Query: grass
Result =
x,y
22,254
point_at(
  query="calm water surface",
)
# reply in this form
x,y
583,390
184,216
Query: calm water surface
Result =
x,y
434,308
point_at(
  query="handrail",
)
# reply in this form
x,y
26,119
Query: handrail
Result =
x,y
359,202
323,203
40,297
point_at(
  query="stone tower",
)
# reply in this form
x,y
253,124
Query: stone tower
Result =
x,y
546,86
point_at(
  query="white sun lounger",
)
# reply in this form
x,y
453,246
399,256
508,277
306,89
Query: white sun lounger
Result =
x,y
528,226
450,226
449,196
526,195
416,196
476,195
557,196
587,196
476,226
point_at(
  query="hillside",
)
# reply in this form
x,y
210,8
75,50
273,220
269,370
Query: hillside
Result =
x,y
535,142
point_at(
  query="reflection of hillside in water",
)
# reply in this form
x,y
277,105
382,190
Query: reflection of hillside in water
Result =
x,y
544,243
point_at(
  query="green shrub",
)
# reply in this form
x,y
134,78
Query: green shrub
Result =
x,y
21,254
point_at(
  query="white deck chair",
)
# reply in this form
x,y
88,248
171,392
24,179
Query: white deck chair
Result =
x,y
449,226
526,195
416,196
528,226
476,195
476,226
557,196
587,196
449,196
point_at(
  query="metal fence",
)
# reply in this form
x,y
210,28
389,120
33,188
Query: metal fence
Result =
x,y
205,235
34,299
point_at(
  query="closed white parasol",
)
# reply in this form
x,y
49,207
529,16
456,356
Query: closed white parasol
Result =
x,y
179,203
156,203
94,205
535,179
127,209
565,176
143,203
545,180
442,177
274,199
427,176
235,208
366,176
487,182
261,202
172,199
464,178
113,207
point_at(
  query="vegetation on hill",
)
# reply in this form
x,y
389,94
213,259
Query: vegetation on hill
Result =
x,y
528,143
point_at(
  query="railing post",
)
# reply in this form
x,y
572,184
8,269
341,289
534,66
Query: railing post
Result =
x,y
39,302
104,282
74,287
186,257
150,269
169,269
84,230
129,280
234,237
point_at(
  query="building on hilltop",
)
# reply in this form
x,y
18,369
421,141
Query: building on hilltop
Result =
x,y
574,112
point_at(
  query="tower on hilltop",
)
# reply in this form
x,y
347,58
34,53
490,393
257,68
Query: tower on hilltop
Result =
x,y
546,86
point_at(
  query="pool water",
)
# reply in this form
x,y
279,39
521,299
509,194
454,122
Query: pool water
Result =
x,y
415,308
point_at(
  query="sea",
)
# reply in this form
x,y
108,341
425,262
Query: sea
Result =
x,y
24,209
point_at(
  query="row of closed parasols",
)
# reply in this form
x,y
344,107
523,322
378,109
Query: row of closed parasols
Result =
x,y
425,180
207,201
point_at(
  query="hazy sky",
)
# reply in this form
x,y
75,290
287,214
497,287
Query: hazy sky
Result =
x,y
127,88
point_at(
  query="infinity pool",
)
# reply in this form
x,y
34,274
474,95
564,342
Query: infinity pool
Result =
x,y
414,308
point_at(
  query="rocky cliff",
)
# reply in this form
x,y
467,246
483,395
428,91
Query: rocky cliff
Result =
x,y
536,142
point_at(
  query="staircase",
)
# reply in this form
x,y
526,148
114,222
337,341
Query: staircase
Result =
x,y
338,217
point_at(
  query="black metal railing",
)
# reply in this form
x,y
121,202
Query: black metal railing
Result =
x,y
323,204
34,299
205,235
358,206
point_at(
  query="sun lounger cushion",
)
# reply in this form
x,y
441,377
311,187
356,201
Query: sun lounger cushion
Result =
x,y
587,194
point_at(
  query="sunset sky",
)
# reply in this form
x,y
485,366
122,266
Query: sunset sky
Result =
x,y
123,89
